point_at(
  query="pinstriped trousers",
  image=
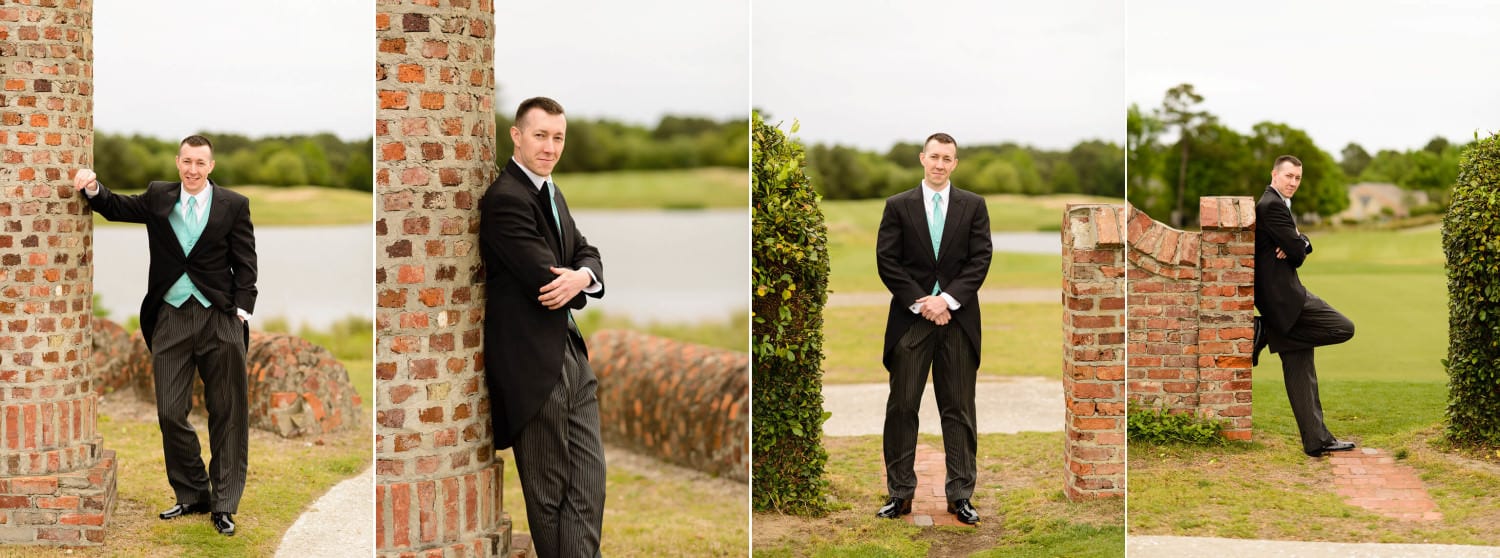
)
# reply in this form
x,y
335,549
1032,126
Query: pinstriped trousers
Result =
x,y
1319,325
560,461
212,343
946,351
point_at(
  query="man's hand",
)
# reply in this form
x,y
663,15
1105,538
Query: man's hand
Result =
x,y
935,309
568,284
85,179
1280,255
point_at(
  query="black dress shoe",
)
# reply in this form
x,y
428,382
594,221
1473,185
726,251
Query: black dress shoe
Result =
x,y
894,508
1259,341
964,511
183,509
224,523
1335,446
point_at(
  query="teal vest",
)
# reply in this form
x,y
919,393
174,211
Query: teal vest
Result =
x,y
188,230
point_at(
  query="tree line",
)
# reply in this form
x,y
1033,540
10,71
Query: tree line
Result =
x,y
1211,159
295,160
676,142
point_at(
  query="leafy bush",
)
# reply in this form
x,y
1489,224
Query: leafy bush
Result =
x,y
790,277
1157,426
1471,242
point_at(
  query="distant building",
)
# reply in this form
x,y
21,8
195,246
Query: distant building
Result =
x,y
1369,200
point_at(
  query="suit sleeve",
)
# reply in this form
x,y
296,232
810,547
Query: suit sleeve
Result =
x,y
888,258
1278,225
965,286
242,260
117,207
584,255
512,235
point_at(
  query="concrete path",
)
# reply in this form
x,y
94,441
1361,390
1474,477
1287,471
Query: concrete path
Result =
x,y
1006,406
1138,546
1371,479
340,523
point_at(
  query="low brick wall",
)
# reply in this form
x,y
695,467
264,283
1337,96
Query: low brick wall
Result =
x,y
296,388
1093,323
683,403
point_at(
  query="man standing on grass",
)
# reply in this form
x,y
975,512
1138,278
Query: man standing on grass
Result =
x,y
199,296
933,253
1293,321
538,268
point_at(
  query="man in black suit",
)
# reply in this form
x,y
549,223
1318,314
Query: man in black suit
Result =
x,y
199,296
538,267
1293,321
933,253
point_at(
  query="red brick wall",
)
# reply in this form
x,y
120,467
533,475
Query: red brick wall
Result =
x,y
1192,298
1093,268
439,486
56,480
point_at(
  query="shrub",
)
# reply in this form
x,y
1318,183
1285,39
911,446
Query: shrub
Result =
x,y
790,282
1157,426
1471,242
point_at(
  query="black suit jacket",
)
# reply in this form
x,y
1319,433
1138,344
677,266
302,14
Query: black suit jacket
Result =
x,y
903,255
1279,293
523,340
222,263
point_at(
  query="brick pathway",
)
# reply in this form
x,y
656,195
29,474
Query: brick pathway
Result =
x,y
929,507
1371,479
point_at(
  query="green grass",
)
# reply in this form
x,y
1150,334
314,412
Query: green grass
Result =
x,y
295,206
732,333
853,225
702,188
1018,340
1019,495
656,514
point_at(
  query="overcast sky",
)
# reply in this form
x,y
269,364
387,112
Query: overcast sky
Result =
x,y
1385,74
633,61
872,73
168,68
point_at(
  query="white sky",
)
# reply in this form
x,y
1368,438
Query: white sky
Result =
x,y
633,61
1386,74
872,73
168,68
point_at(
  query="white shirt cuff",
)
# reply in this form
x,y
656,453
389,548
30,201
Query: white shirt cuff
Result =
x,y
952,304
594,285
242,313
91,192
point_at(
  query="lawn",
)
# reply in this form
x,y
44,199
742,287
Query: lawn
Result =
x,y
1019,340
1019,497
702,188
1384,389
296,206
853,225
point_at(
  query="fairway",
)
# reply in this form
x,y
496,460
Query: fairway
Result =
x,y
272,206
1018,340
703,188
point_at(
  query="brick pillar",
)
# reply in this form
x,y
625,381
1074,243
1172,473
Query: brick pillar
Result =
x,y
57,482
1192,298
438,491
1093,267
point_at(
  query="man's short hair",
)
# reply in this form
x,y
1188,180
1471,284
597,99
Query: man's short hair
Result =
x,y
196,141
941,138
547,105
1285,159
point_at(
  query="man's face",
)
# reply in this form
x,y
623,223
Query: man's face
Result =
x,y
194,162
1287,178
938,161
539,140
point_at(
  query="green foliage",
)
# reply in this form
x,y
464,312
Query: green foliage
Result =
x,y
1471,242
790,283
130,162
677,142
1091,167
1157,426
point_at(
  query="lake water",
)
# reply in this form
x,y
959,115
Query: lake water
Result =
x,y
1028,242
678,266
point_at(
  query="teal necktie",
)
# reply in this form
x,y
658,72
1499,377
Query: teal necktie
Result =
x,y
194,216
935,229
552,204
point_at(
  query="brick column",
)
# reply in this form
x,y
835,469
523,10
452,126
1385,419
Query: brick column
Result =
x,y
57,482
1093,267
438,488
1192,299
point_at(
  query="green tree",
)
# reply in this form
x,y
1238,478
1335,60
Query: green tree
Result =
x,y
1324,190
284,168
1353,159
1177,110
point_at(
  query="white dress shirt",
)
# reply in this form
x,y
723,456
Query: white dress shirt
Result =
x,y
927,204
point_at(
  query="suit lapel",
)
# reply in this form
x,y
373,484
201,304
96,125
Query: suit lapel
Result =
x,y
218,213
917,213
549,236
957,210
164,209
